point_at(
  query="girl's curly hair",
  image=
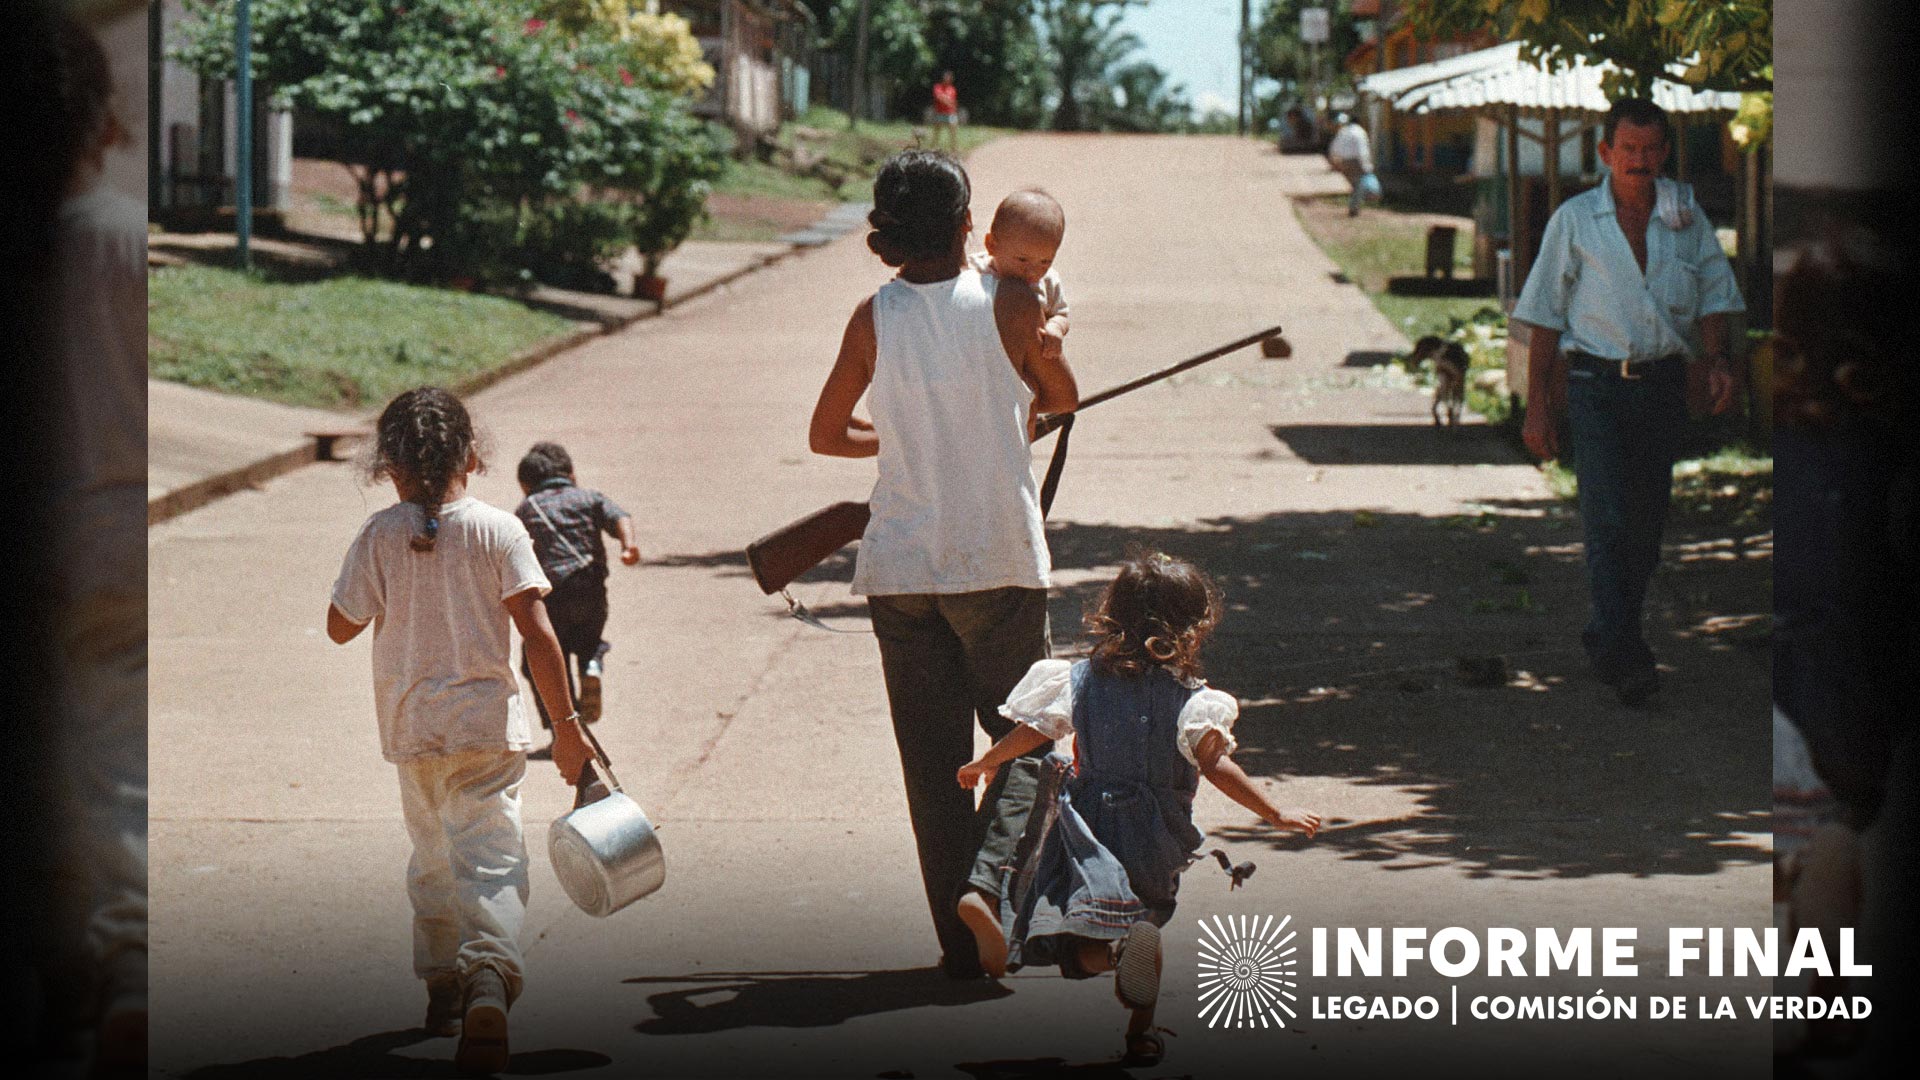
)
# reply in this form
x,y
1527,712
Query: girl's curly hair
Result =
x,y
920,201
1157,612
424,437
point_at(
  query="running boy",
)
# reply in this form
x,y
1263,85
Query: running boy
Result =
x,y
567,523
1026,233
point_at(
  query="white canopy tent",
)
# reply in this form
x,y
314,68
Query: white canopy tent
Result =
x,y
1500,76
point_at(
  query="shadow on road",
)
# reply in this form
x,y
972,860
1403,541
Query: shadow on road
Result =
x,y
1044,1069
1369,358
376,1055
743,999
1358,643
1355,642
1396,444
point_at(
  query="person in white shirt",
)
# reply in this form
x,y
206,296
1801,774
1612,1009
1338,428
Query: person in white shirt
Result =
x,y
1351,154
954,560
97,476
1622,300
443,578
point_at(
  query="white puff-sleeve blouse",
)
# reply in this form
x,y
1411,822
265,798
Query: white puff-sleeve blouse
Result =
x,y
1043,700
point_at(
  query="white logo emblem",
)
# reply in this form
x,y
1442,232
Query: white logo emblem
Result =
x,y
1247,971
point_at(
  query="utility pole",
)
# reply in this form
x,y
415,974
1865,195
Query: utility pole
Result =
x,y
1246,49
243,140
156,174
859,70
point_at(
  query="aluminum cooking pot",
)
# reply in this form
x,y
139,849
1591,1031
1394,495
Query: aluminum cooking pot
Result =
x,y
605,852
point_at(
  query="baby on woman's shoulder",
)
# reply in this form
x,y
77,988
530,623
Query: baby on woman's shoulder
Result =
x,y
1021,243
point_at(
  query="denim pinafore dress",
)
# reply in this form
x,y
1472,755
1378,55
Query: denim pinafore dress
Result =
x,y
1106,845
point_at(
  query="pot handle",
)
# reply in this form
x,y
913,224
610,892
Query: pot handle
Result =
x,y
594,784
596,780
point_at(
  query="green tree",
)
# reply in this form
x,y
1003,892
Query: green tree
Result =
x,y
1087,45
993,49
897,47
465,122
1146,101
1280,55
1723,44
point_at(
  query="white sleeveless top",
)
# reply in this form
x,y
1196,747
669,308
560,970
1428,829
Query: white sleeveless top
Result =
x,y
956,508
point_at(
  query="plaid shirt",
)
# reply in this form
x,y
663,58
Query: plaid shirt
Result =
x,y
579,517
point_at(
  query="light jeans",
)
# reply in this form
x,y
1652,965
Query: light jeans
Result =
x,y
468,875
102,636
1354,170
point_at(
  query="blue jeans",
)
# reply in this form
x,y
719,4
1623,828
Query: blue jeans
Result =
x,y
1626,434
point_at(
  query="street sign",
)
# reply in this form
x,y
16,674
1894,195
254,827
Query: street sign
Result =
x,y
1314,27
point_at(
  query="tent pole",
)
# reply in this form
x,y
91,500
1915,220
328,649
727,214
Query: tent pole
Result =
x,y
1515,246
1552,161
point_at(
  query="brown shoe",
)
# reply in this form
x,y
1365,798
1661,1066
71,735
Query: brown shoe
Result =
x,y
443,1006
483,1030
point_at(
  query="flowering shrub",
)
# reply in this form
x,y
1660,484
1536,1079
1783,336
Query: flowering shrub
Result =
x,y
661,49
461,119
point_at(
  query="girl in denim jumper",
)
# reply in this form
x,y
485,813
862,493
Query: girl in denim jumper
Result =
x,y
1113,827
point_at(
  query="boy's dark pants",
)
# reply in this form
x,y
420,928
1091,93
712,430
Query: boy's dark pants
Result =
x,y
950,661
1626,436
577,607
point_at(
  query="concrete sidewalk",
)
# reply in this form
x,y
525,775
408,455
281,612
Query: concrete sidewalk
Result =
x,y
203,445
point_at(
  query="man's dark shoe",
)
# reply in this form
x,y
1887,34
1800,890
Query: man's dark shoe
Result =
x,y
445,1005
962,967
1638,688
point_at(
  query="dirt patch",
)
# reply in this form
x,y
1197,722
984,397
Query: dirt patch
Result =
x,y
1386,242
786,214
320,177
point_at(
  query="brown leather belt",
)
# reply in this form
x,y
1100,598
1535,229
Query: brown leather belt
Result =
x,y
1626,369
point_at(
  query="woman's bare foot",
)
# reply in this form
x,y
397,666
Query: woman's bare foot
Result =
x,y
988,937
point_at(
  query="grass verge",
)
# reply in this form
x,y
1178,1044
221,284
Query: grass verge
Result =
x,y
1382,244
342,342
1734,482
1386,242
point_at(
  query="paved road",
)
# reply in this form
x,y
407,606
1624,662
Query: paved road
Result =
x,y
790,938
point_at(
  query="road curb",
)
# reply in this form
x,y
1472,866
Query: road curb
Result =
x,y
201,492
195,495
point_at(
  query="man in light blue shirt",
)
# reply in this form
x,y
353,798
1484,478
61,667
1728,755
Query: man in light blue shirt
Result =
x,y
1629,288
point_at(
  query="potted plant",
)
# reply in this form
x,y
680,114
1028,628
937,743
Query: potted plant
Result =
x,y
671,204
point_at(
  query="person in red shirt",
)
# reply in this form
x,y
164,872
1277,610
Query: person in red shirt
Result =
x,y
946,112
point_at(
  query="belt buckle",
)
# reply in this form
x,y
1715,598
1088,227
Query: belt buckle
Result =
x,y
1626,370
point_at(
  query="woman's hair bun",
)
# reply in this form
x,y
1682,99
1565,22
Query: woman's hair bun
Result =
x,y
920,198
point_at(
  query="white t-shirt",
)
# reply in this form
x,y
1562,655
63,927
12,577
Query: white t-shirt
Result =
x,y
1053,298
443,679
955,507
100,457
1350,144
103,339
1043,700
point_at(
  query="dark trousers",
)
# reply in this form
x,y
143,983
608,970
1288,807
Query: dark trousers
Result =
x,y
577,608
1626,434
950,661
